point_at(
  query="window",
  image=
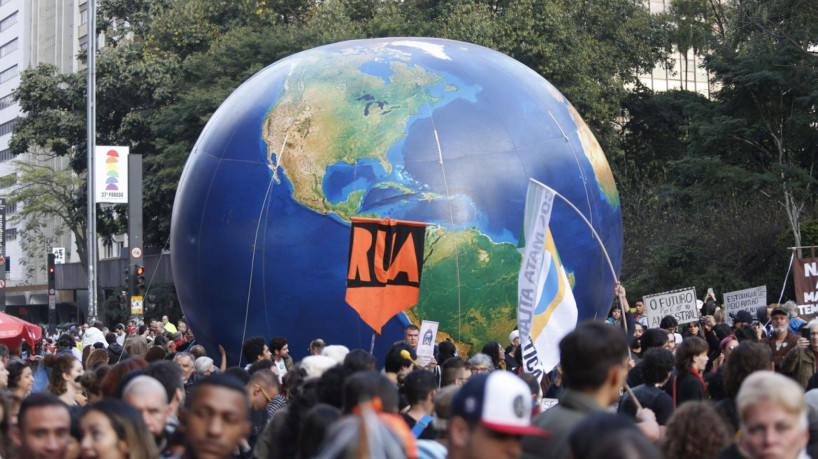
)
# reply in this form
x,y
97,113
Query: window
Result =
x,y
7,101
11,234
5,155
8,21
8,181
7,127
8,74
8,48
84,16
11,209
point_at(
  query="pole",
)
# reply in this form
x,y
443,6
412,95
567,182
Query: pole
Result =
x,y
91,231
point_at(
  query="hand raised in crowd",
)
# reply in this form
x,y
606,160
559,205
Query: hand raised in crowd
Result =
x,y
803,343
646,421
619,290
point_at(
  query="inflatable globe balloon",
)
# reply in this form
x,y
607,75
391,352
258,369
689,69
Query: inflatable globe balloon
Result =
x,y
419,129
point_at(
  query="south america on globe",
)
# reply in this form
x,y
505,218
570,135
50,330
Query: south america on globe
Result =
x,y
417,129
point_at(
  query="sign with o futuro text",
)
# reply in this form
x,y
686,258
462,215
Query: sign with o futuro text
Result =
x,y
680,304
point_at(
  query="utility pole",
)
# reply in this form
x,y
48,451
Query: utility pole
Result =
x,y
91,113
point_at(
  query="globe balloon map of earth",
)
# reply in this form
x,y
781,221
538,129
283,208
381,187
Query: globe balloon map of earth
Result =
x,y
419,129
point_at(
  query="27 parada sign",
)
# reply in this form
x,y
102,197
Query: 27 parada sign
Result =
x,y
680,304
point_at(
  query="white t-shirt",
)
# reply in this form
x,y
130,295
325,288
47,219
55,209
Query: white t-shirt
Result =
x,y
282,369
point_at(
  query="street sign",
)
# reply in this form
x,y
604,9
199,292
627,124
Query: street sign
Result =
x,y
136,252
52,302
136,305
59,255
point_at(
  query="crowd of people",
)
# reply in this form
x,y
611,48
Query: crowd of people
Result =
x,y
703,389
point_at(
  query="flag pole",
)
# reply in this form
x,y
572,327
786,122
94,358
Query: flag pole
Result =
x,y
596,235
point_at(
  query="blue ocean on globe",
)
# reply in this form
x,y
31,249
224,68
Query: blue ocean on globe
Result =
x,y
419,129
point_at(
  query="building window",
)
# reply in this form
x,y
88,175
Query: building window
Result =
x,y
11,209
8,48
11,234
7,101
8,21
84,16
5,155
8,74
7,127
8,181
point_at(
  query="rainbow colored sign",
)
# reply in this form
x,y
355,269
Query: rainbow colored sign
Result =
x,y
111,174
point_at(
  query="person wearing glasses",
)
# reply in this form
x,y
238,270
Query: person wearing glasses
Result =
x,y
799,363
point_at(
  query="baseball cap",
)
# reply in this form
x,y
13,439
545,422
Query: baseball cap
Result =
x,y
499,401
778,311
742,316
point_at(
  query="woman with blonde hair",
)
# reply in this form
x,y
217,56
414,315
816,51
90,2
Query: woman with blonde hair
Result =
x,y
113,429
96,358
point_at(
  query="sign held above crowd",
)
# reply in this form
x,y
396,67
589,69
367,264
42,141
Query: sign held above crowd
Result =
x,y
749,300
680,304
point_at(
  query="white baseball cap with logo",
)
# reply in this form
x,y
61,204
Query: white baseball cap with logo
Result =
x,y
499,401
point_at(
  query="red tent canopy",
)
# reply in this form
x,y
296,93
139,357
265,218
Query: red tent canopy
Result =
x,y
14,330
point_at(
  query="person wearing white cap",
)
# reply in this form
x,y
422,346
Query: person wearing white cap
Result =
x,y
489,415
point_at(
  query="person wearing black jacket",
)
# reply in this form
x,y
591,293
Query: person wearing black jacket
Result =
x,y
116,353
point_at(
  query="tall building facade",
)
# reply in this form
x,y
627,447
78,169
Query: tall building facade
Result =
x,y
32,32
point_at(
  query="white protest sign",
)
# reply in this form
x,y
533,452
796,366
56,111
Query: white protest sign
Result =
x,y
749,300
548,403
59,255
680,304
426,344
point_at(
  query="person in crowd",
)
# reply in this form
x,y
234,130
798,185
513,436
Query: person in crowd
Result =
x,y
695,430
514,355
489,415
396,365
615,316
691,360
614,437
359,360
20,377
656,368
136,347
714,379
262,388
594,360
169,376
93,335
280,350
439,447
795,322
411,336
255,349
652,338
149,398
204,366
773,418
799,362
317,423
781,340
741,319
43,427
454,371
480,363
747,358
121,335
96,358
91,381
692,329
110,386
669,324
215,419
496,353
116,353
167,326
638,330
673,340
420,387
316,346
64,381
445,351
639,315
112,429
185,362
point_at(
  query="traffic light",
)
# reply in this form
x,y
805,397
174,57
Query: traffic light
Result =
x,y
141,286
52,282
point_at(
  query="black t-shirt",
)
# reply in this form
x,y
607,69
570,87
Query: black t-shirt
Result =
x,y
649,397
429,433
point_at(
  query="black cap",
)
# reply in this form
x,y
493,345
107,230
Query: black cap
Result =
x,y
778,311
742,316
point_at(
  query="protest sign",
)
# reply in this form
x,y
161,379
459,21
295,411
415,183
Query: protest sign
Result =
x,y
426,344
680,304
805,278
744,300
